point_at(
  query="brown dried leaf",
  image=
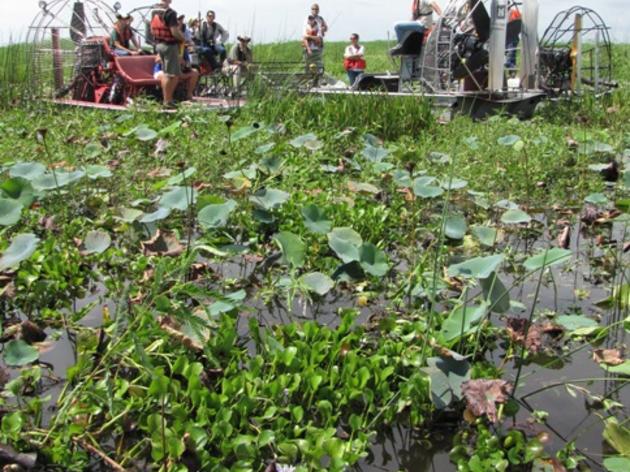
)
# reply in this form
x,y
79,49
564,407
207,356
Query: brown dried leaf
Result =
x,y
159,172
162,244
48,223
608,356
564,238
172,328
590,214
160,147
9,291
482,396
31,333
407,194
517,328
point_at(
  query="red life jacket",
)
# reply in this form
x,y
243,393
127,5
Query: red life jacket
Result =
x,y
515,14
354,64
159,29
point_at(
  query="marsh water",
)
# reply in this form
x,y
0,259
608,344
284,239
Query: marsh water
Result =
x,y
575,289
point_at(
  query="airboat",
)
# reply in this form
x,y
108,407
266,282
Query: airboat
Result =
x,y
459,64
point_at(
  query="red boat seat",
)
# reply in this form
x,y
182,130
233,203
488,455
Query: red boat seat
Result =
x,y
136,70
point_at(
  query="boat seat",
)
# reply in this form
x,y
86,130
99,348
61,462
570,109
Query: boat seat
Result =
x,y
136,70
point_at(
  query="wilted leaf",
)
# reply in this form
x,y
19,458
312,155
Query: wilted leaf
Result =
x,y
162,244
538,334
482,396
610,357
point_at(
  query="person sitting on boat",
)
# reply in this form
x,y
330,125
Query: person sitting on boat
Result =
x,y
122,40
312,43
239,61
421,20
354,59
212,38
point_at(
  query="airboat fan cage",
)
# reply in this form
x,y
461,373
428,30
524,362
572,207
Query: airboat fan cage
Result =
x,y
56,35
576,54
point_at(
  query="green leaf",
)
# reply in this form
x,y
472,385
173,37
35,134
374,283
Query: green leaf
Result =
x,y
402,178
595,147
622,369
244,132
27,170
58,179
22,247
486,235
216,215
315,219
453,184
18,189
264,148
265,438
345,242
318,283
617,464
515,217
309,141
178,198
157,215
144,133
547,258
181,177
496,293
17,353
447,376
293,248
373,260
455,227
97,172
10,211
269,198
478,268
461,321
597,199
129,215
97,242
575,322
427,191
617,436
509,140
374,153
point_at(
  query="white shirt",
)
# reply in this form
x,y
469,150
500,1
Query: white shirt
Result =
x,y
426,10
313,31
353,51
320,23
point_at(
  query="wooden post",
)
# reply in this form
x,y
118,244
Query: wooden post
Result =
x,y
57,59
576,56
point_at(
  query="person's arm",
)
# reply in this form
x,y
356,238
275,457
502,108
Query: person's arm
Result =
x,y
323,26
225,35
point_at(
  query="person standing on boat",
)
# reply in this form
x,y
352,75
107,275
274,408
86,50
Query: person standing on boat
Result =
x,y
354,59
421,19
514,40
323,26
312,42
168,37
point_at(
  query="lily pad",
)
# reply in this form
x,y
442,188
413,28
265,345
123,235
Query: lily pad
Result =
x,y
293,248
97,172
346,243
486,235
22,247
181,177
144,133
495,292
447,376
269,198
97,242
58,179
455,227
374,153
264,148
477,268
617,464
315,219
597,199
129,215
515,217
422,188
178,198
621,369
244,132
509,140
10,211
402,178
373,260
158,215
462,321
318,283
18,189
17,353
575,322
27,170
216,215
453,184
305,140
547,258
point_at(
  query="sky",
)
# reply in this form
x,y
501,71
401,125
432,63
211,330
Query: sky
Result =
x,y
280,20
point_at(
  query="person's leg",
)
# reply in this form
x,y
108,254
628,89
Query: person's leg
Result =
x,y
192,78
404,27
169,53
121,52
220,51
352,76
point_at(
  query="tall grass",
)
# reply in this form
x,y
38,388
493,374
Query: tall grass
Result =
x,y
15,71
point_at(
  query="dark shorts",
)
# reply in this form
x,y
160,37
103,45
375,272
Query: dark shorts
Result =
x,y
171,62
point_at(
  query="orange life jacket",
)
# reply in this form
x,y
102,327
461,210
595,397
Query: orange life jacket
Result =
x,y
515,14
159,29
